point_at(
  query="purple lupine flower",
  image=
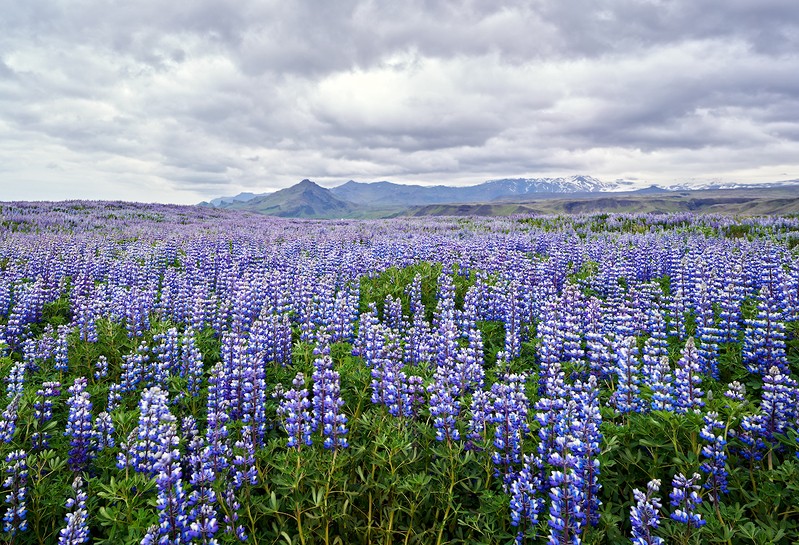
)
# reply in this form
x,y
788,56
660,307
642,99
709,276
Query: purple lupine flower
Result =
x,y
155,432
217,416
327,404
707,333
586,430
86,319
114,397
418,338
79,425
662,386
750,434
778,404
191,364
468,374
77,529
134,366
566,486
729,295
171,500
444,406
627,397
524,503
8,420
678,303
15,381
101,368
166,356
244,464
345,313
510,408
103,432
231,507
764,339
294,409
43,413
481,414
685,499
202,516
61,351
645,515
392,314
736,392
715,455
687,380
512,317
15,517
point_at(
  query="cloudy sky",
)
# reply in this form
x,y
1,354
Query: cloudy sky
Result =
x,y
186,100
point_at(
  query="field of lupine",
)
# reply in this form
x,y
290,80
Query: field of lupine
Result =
x,y
186,375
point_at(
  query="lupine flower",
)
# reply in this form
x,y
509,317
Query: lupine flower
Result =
x,y
43,413
661,386
708,334
687,380
444,406
736,392
764,340
171,499
327,404
510,408
15,518
155,433
566,486
202,517
481,414
114,397
79,425
645,515
8,420
685,498
61,352
244,464
729,294
191,364
101,368
627,397
216,432
716,457
103,433
294,409
588,421
231,507
77,529
133,368
524,503
15,381
468,374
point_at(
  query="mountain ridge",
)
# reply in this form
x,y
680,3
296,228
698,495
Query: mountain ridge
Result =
x,y
352,199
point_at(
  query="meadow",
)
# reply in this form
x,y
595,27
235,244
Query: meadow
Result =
x,y
189,375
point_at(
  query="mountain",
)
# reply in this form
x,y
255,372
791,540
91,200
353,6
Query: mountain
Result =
x,y
718,185
768,201
512,195
391,194
224,202
303,200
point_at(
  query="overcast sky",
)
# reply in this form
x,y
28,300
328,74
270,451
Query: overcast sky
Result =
x,y
183,101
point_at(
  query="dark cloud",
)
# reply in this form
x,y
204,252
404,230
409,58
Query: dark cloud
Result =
x,y
129,97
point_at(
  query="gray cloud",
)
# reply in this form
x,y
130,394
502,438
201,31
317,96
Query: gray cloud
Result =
x,y
191,100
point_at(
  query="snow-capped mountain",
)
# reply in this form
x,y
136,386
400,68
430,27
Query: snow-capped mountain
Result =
x,y
698,185
570,184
